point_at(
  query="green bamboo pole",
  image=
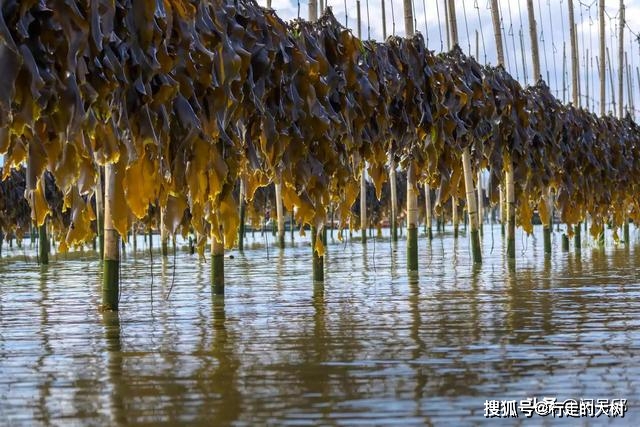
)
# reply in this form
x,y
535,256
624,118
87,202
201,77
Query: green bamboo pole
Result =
x,y
43,247
317,261
217,266
412,220
111,262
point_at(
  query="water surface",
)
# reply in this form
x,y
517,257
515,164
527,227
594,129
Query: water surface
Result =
x,y
372,346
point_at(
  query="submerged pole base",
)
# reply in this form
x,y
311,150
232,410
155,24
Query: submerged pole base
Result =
x,y
110,284
565,243
317,262
546,234
217,274
577,239
412,249
625,231
43,249
475,247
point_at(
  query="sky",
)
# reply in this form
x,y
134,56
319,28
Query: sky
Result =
x,y
553,38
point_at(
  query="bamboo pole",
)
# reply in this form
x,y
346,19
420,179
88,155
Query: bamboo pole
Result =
x,y
412,193
217,264
472,208
601,65
480,203
510,190
454,216
575,78
412,220
100,212
384,20
358,20
394,198
242,215
363,205
111,262
313,10
625,231
546,195
317,260
164,235
280,212
613,93
428,213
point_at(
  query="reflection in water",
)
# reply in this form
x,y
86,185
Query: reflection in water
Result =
x,y
373,345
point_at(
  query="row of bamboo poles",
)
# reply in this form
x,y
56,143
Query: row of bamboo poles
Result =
x,y
111,252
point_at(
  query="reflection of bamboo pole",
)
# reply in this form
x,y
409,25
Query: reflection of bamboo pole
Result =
x,y
466,164
111,262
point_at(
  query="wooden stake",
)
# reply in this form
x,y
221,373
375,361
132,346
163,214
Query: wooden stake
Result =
x,y
111,262
480,202
408,17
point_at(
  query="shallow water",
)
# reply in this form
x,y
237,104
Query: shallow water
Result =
x,y
373,346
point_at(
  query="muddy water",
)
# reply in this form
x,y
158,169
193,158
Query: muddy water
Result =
x,y
372,346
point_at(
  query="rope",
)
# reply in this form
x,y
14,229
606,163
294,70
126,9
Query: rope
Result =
x,y
565,72
439,26
513,40
466,25
426,27
524,60
368,22
346,15
484,48
553,47
506,51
